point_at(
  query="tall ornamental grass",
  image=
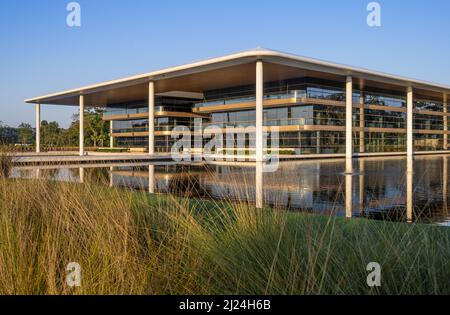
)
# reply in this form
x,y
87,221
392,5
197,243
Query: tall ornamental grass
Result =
x,y
129,242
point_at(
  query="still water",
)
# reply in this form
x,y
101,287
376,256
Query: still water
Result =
x,y
387,188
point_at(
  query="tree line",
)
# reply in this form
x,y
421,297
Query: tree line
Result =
x,y
96,132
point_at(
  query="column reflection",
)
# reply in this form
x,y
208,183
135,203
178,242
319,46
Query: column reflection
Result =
x,y
81,174
445,184
409,189
259,196
151,179
361,186
111,176
348,196
348,188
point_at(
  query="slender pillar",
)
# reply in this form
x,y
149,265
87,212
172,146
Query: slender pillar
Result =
x,y
81,138
111,138
259,194
259,110
409,189
348,125
445,122
318,135
38,127
361,123
318,142
151,117
348,118
409,122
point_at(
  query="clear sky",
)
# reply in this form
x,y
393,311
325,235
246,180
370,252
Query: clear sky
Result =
x,y
40,54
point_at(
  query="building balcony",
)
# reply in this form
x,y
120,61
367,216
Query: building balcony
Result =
x,y
142,113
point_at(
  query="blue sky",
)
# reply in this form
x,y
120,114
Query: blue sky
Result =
x,y
40,54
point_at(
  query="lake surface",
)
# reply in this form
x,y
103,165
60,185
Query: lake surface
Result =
x,y
386,188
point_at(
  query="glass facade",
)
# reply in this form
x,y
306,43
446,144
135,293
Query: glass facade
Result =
x,y
310,112
382,99
284,116
296,88
384,142
428,142
384,119
162,104
131,131
428,116
141,125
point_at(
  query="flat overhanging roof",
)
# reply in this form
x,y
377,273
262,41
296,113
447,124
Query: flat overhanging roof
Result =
x,y
233,70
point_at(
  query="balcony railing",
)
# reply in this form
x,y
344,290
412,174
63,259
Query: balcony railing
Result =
x,y
304,121
143,110
145,129
338,96
384,101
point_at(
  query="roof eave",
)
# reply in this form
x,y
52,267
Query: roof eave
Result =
x,y
243,57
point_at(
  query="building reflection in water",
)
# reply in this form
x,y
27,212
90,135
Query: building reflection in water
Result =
x,y
393,188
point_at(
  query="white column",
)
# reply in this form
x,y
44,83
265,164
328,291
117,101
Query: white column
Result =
x,y
38,127
81,137
259,110
111,138
151,117
409,122
361,123
348,118
445,122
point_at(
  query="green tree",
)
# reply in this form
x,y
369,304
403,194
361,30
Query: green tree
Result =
x,y
25,132
8,135
2,131
72,135
51,134
96,130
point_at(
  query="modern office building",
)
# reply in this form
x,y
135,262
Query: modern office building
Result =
x,y
319,107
